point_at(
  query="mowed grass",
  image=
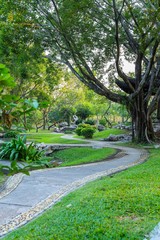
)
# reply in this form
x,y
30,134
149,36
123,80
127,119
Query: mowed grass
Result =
x,y
106,133
75,156
48,137
121,207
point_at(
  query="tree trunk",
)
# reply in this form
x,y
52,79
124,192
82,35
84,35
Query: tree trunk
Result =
x,y
25,121
143,124
44,120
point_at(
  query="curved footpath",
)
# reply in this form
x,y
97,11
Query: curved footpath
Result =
x,y
25,197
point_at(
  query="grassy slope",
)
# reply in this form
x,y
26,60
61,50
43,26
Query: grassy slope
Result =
x,y
106,133
50,138
74,156
123,207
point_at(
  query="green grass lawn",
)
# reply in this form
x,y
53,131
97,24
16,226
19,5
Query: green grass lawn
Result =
x,y
75,156
124,206
48,137
105,133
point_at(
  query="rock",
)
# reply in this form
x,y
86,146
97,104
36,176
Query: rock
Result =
x,y
63,124
68,128
2,135
115,138
56,130
101,127
122,126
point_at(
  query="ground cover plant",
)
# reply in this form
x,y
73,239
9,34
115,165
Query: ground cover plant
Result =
x,y
75,156
124,206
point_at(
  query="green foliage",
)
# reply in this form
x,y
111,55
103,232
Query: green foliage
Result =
x,y
18,150
80,127
83,112
62,113
66,113
85,130
78,131
5,78
88,132
15,168
103,122
11,134
122,206
90,121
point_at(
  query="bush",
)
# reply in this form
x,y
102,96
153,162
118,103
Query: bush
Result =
x,y
90,122
85,130
88,132
17,150
78,131
11,134
103,122
78,121
80,127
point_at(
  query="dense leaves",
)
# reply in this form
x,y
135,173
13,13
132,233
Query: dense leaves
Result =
x,y
89,36
18,150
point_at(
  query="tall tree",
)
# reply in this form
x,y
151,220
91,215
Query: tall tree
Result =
x,y
88,34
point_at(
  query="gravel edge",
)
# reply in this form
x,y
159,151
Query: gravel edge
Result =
x,y
11,183
54,198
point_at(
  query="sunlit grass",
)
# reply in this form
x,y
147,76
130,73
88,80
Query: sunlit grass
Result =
x,y
124,206
104,134
75,156
48,137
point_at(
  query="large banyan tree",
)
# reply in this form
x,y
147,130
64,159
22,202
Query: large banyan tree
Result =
x,y
89,35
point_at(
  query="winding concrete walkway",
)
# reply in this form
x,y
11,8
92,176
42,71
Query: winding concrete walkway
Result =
x,y
25,197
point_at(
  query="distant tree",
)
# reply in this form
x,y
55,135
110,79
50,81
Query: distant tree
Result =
x,y
83,112
88,35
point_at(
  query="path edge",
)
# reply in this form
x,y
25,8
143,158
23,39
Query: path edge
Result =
x,y
47,203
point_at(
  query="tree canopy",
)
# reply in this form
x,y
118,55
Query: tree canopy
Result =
x,y
89,35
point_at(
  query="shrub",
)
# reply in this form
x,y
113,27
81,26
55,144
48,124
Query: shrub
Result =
x,y
90,122
83,112
11,134
80,127
85,130
17,150
78,121
88,132
83,125
78,131
103,122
